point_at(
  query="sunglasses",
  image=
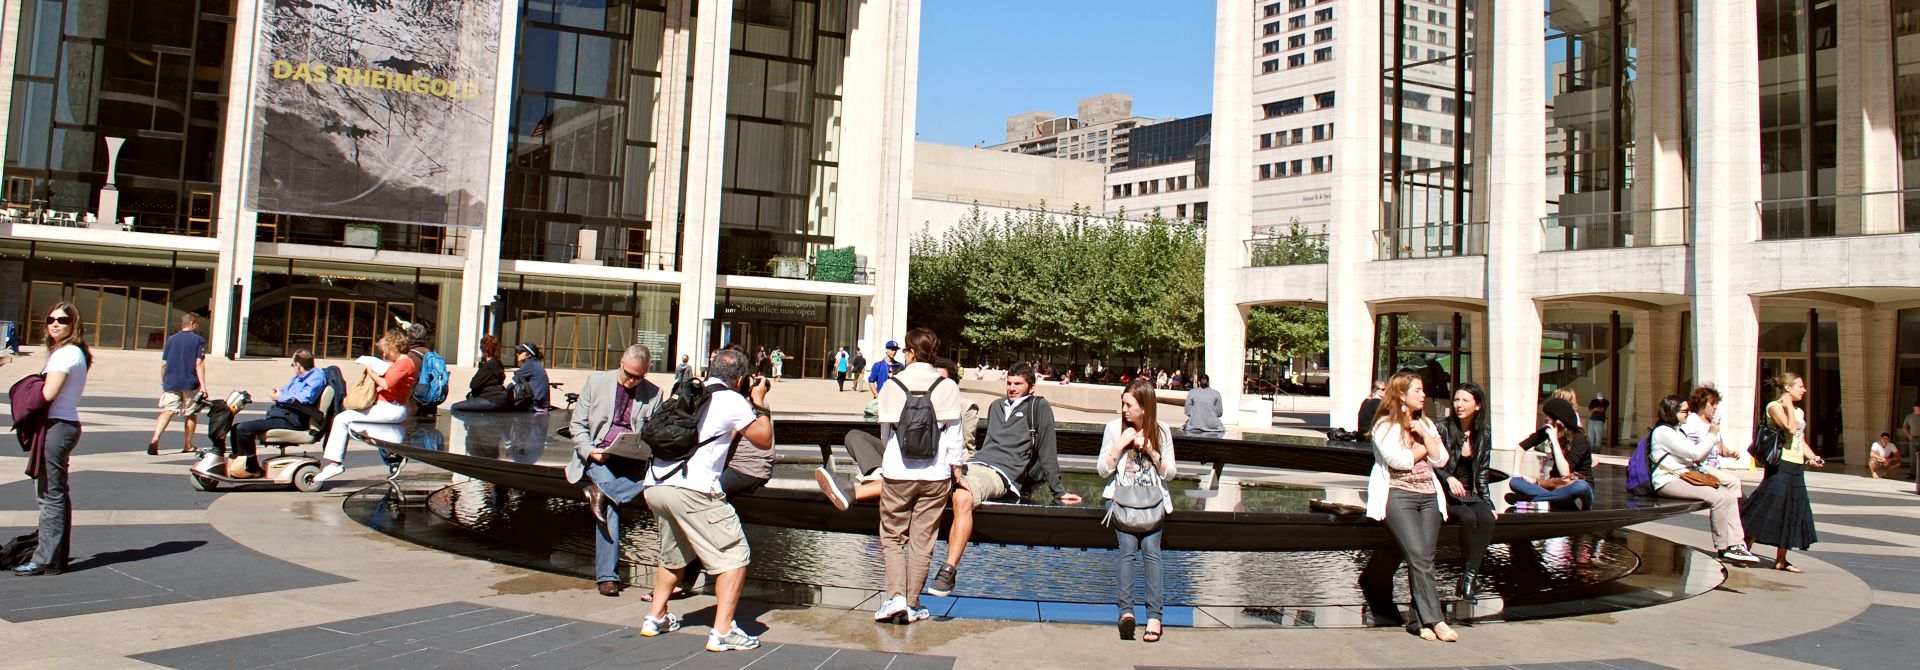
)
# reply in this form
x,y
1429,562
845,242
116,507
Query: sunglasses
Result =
x,y
62,320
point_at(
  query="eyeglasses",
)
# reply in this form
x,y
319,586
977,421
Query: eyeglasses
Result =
x,y
62,320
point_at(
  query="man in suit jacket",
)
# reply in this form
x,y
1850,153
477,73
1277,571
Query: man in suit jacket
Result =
x,y
611,403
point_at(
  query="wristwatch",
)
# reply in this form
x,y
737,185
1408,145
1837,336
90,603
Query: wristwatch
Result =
x,y
762,410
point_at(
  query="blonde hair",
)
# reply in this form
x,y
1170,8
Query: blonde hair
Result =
x,y
1393,406
394,342
1568,394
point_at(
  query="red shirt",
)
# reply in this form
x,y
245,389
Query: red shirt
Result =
x,y
400,378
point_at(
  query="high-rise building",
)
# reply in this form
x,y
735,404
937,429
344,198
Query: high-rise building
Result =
x,y
1099,134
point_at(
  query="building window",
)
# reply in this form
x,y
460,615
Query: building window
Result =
x,y
1295,42
1272,28
1323,15
1266,140
1297,4
1271,10
1296,60
1323,100
1323,34
1285,107
1271,65
1323,54
1266,171
1297,22
1272,47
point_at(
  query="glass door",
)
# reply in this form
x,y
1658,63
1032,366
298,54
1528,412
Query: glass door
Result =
x,y
303,325
817,356
105,308
351,328
151,315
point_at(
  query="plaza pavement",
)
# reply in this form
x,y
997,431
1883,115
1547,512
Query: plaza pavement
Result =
x,y
165,576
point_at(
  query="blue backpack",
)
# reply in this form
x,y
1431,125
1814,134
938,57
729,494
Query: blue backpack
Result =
x,y
432,387
1640,468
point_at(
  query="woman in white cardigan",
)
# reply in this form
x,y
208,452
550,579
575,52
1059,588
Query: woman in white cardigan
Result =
x,y
1672,452
1404,492
1132,444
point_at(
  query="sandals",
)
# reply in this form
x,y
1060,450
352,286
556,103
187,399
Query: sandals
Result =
x,y
1153,631
1784,566
1127,624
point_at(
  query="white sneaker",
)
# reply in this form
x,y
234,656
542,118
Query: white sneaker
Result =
x,y
208,462
830,486
665,624
918,614
893,609
1739,553
329,472
734,640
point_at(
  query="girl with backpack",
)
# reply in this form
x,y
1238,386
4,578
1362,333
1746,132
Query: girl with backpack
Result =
x,y
1404,491
1678,473
1136,450
1779,513
393,401
919,412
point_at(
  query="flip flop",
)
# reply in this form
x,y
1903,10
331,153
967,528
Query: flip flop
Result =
x,y
1784,566
1150,636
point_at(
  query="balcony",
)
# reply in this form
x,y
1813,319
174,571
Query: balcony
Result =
x,y
1616,230
1435,241
1843,215
747,256
411,238
528,243
1294,248
195,226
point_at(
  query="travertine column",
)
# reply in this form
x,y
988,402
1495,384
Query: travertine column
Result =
x,y
1866,378
1230,203
706,155
1866,122
1512,81
1354,209
9,53
899,39
669,123
480,276
1726,325
235,225
1659,136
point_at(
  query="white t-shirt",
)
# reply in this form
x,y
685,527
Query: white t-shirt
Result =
x,y
68,359
1881,450
727,412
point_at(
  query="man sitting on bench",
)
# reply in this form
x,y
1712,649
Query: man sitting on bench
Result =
x,y
1019,450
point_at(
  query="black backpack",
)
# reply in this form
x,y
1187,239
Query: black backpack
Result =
x,y
673,431
919,426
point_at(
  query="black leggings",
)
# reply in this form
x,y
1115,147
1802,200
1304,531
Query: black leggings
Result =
x,y
483,404
1476,530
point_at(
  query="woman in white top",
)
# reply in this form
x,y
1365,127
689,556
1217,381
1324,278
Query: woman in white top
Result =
x,y
68,361
1404,491
1673,452
1132,445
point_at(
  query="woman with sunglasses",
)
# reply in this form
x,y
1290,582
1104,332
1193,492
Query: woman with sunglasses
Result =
x,y
66,378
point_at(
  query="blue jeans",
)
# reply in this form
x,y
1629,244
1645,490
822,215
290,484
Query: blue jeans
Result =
x,y
1561,498
621,480
1147,547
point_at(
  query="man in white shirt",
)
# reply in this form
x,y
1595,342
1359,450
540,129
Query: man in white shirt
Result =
x,y
695,519
1885,456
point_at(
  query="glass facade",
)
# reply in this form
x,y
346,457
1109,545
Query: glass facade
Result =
x,y
1592,164
1799,117
1170,142
1906,100
587,324
1427,131
151,72
1438,345
130,302
582,145
1805,341
780,184
807,328
1591,351
337,310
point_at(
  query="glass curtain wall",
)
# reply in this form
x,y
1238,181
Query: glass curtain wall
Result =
x,y
1906,383
1806,342
1591,57
151,72
1799,131
780,183
131,298
1427,130
1906,100
582,146
1591,351
587,324
1438,345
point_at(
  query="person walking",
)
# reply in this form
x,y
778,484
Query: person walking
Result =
x,y
1403,491
1137,448
1779,513
779,360
1674,454
857,368
920,428
1468,437
840,368
393,402
1910,427
684,371
487,391
65,380
1204,410
183,375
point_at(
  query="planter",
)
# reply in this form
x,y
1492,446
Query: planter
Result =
x,y
788,267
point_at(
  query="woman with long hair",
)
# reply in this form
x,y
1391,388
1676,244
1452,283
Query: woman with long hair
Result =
x,y
1404,491
1469,440
1568,484
1674,453
1135,446
487,392
1779,512
393,404
68,361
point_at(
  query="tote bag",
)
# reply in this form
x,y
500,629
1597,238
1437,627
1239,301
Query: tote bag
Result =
x,y
362,394
1137,501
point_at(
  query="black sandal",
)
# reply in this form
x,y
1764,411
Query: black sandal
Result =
x,y
1127,623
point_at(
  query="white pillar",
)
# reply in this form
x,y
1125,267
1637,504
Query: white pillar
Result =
x,y
1726,326
236,225
9,53
1354,211
1230,200
1869,154
1658,138
706,155
669,121
894,190
480,275
1513,81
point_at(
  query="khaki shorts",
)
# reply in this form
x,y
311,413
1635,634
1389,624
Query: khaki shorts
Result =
x,y
694,524
176,401
985,483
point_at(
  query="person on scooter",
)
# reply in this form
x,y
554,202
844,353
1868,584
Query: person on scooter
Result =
x,y
293,406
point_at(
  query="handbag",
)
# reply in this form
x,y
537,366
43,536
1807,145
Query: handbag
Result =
x,y
1137,502
1699,478
1766,443
362,394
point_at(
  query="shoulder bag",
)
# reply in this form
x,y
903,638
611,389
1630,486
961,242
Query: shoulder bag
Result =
x,y
362,394
1138,501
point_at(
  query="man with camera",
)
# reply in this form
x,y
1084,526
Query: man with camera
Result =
x,y
612,403
687,498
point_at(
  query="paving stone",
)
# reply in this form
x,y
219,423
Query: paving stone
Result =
x,y
1880,637
116,491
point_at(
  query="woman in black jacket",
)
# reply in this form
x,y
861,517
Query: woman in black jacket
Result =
x,y
1469,442
486,393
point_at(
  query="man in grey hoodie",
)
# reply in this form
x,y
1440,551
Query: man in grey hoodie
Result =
x,y
1204,410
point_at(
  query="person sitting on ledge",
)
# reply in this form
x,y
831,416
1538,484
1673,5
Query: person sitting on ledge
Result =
x,y
612,403
1569,484
1018,451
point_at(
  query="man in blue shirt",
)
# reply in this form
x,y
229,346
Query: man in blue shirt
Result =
x,y
884,369
292,406
183,373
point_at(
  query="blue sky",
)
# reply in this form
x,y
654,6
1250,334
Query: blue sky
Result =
x,y
982,61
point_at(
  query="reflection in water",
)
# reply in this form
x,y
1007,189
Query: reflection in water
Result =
x,y
520,437
1244,579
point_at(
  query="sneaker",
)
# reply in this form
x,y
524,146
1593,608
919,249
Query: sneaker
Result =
x,y
734,640
208,462
329,472
943,581
665,624
831,486
1739,553
918,614
892,610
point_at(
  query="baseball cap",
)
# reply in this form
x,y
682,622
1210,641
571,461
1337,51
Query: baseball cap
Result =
x,y
892,344
528,348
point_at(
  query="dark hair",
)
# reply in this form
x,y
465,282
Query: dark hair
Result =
x,y
1022,369
924,344
728,366
1669,414
1205,381
1703,396
417,333
950,366
1480,425
189,319
1887,435
490,347
76,334
303,358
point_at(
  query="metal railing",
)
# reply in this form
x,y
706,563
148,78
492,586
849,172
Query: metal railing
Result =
x,y
610,253
1616,230
1287,249
1841,215
160,224
803,269
1433,241
412,238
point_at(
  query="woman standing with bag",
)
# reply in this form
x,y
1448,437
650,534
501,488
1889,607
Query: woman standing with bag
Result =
x,y
68,361
1404,491
1469,440
1779,512
393,402
1136,452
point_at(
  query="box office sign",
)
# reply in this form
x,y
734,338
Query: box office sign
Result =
x,y
773,309
375,110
